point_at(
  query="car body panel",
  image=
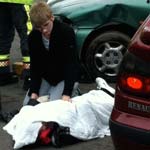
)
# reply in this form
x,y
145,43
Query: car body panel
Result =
x,y
128,138
81,36
138,47
91,19
132,104
130,117
90,15
131,120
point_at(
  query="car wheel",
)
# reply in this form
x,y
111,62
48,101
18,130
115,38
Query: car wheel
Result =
x,y
105,53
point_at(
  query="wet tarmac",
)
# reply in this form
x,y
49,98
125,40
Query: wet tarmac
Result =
x,y
12,97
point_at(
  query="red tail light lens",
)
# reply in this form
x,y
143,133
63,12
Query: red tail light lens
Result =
x,y
136,84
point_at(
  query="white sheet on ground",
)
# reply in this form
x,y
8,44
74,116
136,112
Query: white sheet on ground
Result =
x,y
87,117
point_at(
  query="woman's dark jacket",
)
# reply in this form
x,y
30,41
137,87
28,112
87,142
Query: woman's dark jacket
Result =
x,y
58,63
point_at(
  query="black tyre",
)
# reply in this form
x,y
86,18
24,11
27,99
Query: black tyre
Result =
x,y
105,53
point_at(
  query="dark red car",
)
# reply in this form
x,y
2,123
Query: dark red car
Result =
x,y
130,118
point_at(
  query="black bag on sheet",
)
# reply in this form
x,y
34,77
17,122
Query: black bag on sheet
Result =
x,y
56,135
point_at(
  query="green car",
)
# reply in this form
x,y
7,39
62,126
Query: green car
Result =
x,y
103,30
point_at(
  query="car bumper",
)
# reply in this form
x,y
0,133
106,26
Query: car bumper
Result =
x,y
128,137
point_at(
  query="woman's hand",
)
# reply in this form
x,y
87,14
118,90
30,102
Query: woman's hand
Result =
x,y
66,98
33,100
34,96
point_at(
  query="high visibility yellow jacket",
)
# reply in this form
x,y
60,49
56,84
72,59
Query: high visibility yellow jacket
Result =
x,y
29,25
28,2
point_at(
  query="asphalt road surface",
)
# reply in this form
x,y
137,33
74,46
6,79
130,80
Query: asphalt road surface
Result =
x,y
12,97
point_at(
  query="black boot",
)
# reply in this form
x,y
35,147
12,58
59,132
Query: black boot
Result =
x,y
7,116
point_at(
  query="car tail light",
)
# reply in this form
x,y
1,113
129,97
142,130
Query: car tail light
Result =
x,y
133,94
136,84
